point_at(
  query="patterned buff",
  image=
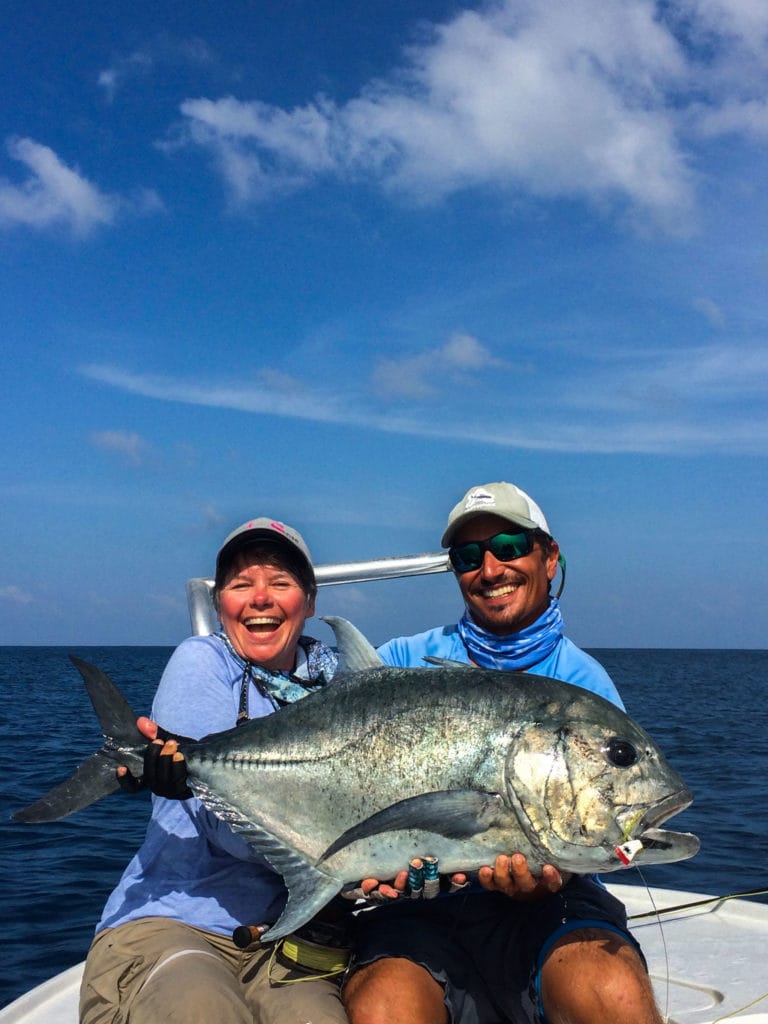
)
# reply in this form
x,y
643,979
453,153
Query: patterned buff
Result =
x,y
517,651
283,687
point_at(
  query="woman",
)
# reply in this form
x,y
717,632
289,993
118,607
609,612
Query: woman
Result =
x,y
163,949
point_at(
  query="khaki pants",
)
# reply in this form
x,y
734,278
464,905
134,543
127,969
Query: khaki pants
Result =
x,y
159,971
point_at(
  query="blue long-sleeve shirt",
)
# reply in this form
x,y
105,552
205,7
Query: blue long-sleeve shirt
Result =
x,y
191,866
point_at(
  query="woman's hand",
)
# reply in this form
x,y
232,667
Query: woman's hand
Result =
x,y
165,768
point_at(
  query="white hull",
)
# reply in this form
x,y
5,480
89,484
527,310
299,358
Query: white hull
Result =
x,y
707,962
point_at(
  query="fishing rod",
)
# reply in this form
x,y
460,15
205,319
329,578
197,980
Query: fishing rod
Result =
x,y
698,903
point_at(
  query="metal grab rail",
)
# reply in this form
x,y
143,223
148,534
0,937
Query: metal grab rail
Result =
x,y
203,617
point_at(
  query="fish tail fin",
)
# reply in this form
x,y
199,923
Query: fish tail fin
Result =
x,y
90,781
116,716
95,777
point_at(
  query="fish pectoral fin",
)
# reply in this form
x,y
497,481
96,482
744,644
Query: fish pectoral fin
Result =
x,y
456,814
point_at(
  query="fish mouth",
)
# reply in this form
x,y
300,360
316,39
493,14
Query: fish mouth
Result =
x,y
660,845
660,812
661,841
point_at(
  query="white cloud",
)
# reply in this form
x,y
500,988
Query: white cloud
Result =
x,y
552,99
735,117
211,516
15,595
420,376
702,399
55,194
710,311
132,447
136,65
248,396
52,194
599,100
726,372
742,23
163,51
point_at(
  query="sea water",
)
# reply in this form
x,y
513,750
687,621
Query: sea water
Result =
x,y
706,709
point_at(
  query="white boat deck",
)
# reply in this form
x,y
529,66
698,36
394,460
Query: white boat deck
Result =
x,y
708,962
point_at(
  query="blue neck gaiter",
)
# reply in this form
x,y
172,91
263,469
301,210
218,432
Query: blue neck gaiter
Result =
x,y
516,651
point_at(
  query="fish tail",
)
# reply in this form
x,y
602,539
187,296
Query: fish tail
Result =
x,y
95,777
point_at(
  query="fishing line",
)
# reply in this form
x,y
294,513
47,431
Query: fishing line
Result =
x,y
655,913
321,962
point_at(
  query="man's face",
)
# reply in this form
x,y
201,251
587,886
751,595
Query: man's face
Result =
x,y
505,597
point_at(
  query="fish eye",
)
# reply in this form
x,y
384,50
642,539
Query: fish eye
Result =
x,y
620,753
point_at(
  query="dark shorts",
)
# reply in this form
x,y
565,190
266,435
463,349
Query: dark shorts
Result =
x,y
485,949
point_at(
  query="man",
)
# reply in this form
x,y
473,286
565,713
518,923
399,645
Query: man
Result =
x,y
552,947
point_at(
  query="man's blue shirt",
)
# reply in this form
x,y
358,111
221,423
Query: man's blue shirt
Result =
x,y
566,662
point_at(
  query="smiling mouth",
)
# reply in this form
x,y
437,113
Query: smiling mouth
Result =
x,y
490,593
261,624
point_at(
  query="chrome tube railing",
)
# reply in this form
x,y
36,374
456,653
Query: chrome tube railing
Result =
x,y
202,614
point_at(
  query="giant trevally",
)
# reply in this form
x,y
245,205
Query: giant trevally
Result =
x,y
385,764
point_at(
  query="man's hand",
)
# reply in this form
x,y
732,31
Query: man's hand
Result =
x,y
511,875
165,768
375,891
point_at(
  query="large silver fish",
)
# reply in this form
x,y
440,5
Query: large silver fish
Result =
x,y
385,764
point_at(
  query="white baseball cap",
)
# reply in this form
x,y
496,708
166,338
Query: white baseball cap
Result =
x,y
498,499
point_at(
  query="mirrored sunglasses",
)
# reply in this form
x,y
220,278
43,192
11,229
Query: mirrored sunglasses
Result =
x,y
505,547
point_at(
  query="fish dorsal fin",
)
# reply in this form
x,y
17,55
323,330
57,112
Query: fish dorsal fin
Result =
x,y
446,662
355,652
309,889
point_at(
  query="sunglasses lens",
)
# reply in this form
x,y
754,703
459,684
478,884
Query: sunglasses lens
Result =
x,y
506,547
509,546
466,557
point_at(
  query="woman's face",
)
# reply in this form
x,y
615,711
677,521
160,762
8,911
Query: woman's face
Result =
x,y
263,608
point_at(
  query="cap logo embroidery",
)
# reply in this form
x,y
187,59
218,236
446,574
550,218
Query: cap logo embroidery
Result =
x,y
479,498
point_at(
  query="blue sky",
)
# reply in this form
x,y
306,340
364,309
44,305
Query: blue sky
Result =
x,y
338,262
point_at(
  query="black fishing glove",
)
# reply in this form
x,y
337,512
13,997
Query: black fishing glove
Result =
x,y
162,774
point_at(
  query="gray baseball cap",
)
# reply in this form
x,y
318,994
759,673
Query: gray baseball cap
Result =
x,y
267,529
498,499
